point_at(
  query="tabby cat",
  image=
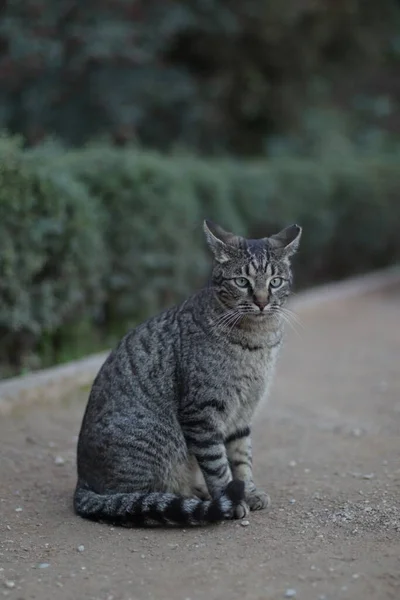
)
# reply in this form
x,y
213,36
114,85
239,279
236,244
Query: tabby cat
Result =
x,y
166,433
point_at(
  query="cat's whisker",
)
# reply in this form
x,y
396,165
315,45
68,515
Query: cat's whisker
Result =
x,y
235,322
292,315
285,317
233,311
288,310
225,317
232,317
222,323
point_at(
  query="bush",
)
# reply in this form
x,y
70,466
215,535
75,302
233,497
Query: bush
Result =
x,y
148,209
50,253
94,240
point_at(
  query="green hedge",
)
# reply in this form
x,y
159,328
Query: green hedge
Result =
x,y
94,240
51,255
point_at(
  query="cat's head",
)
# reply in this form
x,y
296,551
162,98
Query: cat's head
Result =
x,y
252,277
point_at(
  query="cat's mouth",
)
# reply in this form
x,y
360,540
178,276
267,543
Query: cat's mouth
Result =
x,y
252,311
261,313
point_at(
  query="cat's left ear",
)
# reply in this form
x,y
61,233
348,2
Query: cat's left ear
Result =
x,y
222,243
286,241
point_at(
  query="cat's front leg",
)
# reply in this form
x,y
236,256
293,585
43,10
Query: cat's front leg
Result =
x,y
239,452
207,446
198,485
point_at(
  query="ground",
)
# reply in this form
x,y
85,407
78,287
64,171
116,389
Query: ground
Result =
x,y
327,449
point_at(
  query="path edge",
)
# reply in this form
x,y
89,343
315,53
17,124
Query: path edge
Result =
x,y
55,383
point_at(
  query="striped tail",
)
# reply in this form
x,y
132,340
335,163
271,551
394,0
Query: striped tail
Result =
x,y
141,508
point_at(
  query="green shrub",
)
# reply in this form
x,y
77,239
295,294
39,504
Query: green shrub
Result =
x,y
148,209
50,252
95,240
367,212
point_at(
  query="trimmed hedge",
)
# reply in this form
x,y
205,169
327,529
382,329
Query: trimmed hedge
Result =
x,y
93,240
51,254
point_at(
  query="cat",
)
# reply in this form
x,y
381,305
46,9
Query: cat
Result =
x,y
165,437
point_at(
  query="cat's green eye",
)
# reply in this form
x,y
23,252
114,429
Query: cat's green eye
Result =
x,y
241,282
276,282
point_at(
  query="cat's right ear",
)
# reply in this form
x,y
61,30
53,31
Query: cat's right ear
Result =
x,y
217,240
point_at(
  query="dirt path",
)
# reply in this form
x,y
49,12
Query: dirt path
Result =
x,y
327,449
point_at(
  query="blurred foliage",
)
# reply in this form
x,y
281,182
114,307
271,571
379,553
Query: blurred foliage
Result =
x,y
96,239
215,75
51,264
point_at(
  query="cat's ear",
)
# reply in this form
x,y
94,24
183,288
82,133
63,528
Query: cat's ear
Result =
x,y
286,241
222,243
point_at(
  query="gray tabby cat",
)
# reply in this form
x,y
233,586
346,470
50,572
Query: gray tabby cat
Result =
x,y
166,433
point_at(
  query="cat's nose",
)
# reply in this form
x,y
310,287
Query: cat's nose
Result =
x,y
260,302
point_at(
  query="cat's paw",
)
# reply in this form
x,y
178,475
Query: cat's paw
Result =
x,y
241,511
258,500
201,492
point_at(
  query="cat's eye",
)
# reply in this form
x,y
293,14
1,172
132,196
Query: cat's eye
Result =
x,y
276,282
241,282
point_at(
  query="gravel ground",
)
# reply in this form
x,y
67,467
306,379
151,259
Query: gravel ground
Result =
x,y
327,449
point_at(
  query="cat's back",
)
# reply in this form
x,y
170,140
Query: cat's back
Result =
x,y
140,370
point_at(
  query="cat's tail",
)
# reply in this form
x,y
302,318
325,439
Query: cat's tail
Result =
x,y
157,507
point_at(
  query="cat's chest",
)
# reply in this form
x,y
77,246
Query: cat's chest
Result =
x,y
248,382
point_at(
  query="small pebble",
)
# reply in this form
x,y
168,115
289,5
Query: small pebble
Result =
x,y
244,523
8,527
369,476
292,463
19,509
59,460
355,576
357,432
43,565
9,584
292,501
290,593
81,548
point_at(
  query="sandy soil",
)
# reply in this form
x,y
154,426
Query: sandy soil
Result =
x,y
327,449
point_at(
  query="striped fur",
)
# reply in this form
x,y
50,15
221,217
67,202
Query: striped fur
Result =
x,y
163,508
166,433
